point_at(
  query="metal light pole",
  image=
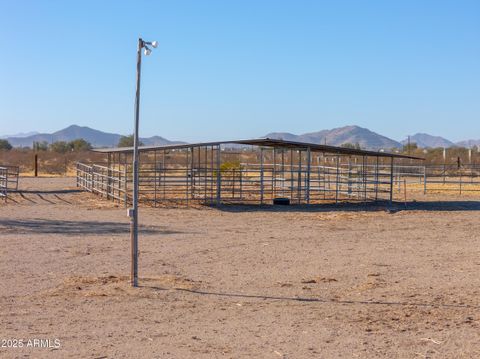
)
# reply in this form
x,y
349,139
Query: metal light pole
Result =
x,y
133,212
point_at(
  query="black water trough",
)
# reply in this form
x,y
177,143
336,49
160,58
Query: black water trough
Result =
x,y
281,201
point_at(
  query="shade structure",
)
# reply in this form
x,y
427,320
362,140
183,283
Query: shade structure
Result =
x,y
252,171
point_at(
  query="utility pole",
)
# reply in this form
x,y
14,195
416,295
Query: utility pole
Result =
x,y
133,212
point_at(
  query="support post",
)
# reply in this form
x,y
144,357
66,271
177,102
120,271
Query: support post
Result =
x,y
376,179
187,178
391,180
155,178
261,175
291,176
109,174
219,177
36,165
283,172
337,179
299,177
365,178
164,176
205,175
308,175
274,173
125,185
424,179
241,185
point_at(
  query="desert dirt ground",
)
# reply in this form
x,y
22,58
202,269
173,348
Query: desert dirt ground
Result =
x,y
239,282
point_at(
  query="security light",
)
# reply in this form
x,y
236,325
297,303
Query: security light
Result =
x,y
147,51
154,44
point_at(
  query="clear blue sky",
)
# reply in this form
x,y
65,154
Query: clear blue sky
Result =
x,y
235,69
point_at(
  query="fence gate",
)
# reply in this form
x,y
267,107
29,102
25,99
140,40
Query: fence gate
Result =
x,y
3,183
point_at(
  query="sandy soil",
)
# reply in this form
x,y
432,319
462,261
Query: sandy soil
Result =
x,y
239,282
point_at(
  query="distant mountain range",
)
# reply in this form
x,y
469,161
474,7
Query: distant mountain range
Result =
x,y
95,137
468,143
21,134
425,140
368,139
335,137
339,136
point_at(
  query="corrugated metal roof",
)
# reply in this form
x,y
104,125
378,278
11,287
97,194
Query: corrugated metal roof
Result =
x,y
265,142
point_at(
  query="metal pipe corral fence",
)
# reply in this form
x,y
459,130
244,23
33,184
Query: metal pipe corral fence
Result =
x,y
8,180
4,183
213,175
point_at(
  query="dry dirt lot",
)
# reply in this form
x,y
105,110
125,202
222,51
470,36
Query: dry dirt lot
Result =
x,y
238,282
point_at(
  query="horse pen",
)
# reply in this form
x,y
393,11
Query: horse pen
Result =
x,y
349,269
257,171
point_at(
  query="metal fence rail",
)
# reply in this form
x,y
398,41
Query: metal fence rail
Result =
x,y
203,183
8,180
13,174
104,181
4,183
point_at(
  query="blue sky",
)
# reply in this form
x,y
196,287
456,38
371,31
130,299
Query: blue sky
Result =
x,y
238,69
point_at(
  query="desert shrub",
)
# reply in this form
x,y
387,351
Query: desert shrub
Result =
x,y
127,141
59,147
49,162
409,147
40,146
229,166
80,145
5,145
76,145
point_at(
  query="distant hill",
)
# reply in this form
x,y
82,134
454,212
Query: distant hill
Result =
x,y
157,141
425,140
95,137
338,136
468,143
21,134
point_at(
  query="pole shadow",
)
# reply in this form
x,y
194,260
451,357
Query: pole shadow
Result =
x,y
323,300
42,226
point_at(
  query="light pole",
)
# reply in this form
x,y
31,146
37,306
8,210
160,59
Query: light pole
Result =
x,y
133,212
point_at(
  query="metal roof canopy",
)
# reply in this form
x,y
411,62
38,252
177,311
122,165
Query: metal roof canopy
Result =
x,y
265,142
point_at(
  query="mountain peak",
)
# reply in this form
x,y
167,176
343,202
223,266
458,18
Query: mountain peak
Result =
x,y
341,135
425,140
95,137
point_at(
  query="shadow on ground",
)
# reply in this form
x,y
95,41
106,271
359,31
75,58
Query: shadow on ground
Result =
x,y
357,207
56,191
233,295
74,227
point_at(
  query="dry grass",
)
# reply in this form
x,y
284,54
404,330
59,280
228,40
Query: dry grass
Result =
x,y
49,163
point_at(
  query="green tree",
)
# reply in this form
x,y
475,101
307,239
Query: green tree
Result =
x,y
40,146
59,147
230,166
410,147
5,145
80,145
127,141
